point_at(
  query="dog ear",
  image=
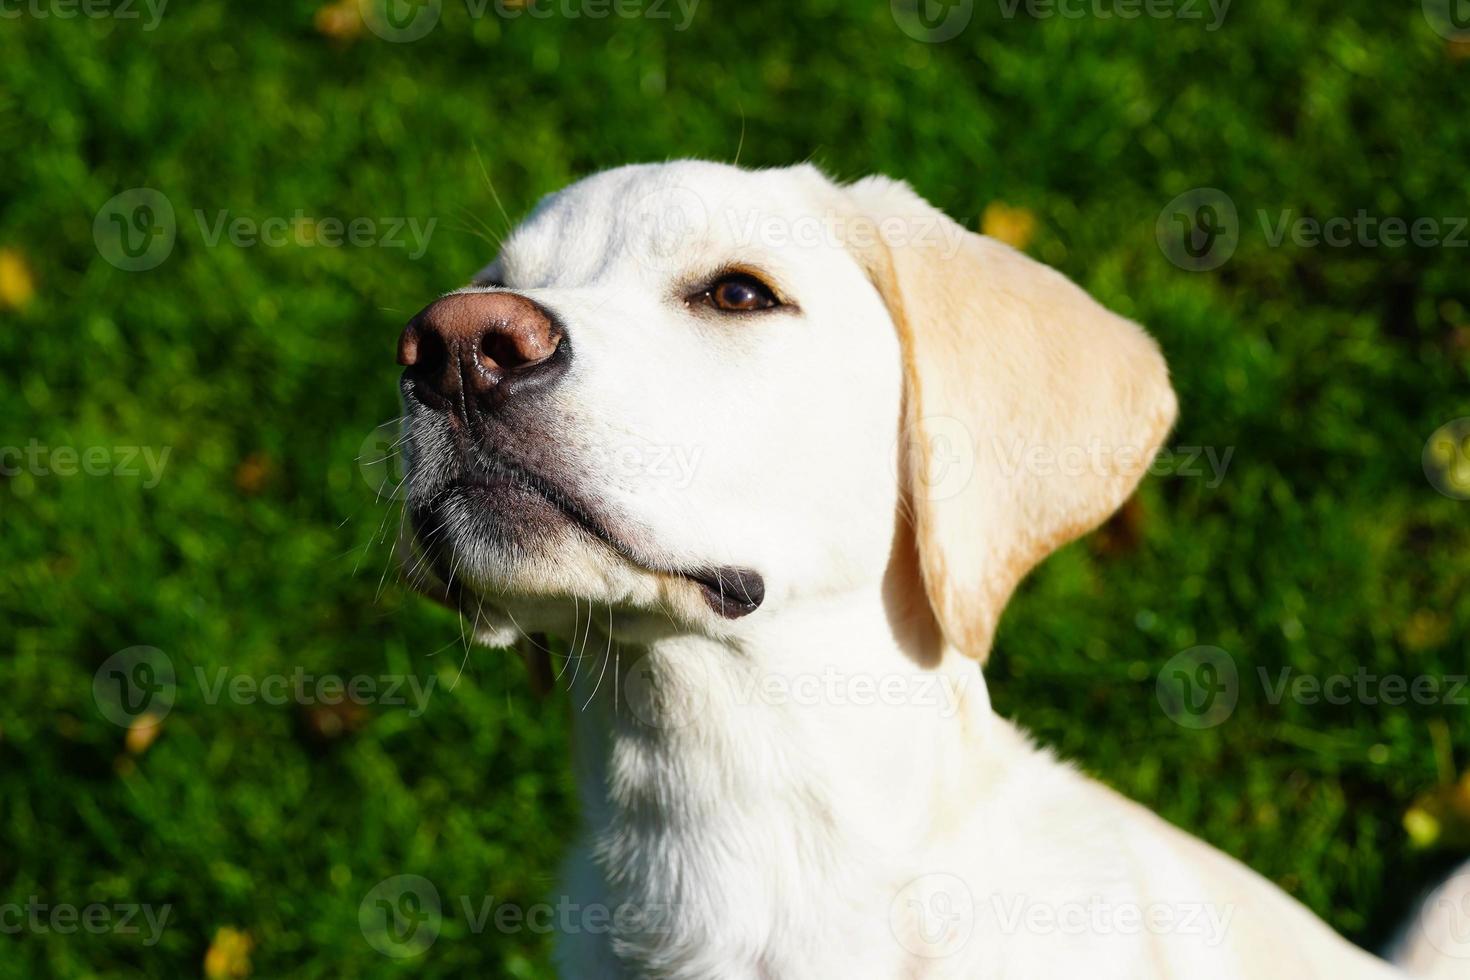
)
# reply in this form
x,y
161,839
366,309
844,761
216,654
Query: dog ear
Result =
x,y
1031,412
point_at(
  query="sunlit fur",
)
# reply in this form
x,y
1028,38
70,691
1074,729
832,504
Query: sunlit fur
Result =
x,y
780,839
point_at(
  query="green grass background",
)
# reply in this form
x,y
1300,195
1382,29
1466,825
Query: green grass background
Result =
x,y
264,369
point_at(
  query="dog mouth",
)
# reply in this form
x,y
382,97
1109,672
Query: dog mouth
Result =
x,y
510,503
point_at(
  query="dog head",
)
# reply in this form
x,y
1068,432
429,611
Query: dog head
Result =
x,y
700,394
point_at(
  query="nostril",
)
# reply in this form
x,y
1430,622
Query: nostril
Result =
x,y
430,353
501,351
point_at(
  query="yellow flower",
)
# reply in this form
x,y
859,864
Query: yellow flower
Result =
x,y
142,732
1422,827
1014,226
340,20
17,285
229,955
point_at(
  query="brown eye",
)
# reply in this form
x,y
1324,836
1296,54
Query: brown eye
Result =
x,y
740,292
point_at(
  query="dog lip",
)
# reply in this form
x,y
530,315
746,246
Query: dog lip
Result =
x,y
488,470
730,592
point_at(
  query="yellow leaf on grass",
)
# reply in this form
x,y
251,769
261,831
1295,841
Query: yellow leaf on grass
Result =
x,y
17,285
1014,226
1441,816
1423,829
1424,629
229,955
340,21
142,732
253,473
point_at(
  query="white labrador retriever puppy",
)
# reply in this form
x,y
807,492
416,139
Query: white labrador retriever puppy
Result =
x,y
749,441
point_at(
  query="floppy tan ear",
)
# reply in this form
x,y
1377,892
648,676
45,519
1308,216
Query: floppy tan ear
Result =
x,y
1031,412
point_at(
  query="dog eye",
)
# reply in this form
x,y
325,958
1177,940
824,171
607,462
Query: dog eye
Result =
x,y
740,292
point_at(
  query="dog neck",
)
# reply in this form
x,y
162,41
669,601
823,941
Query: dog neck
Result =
x,y
752,780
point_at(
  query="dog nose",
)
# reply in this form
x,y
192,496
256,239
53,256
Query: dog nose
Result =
x,y
479,344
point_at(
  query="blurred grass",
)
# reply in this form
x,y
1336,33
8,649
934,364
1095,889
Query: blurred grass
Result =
x,y
264,369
